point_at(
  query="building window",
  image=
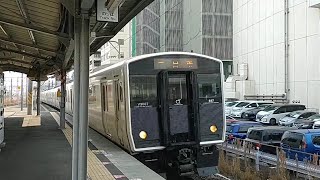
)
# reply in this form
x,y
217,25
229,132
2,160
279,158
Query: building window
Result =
x,y
97,63
121,54
121,41
97,55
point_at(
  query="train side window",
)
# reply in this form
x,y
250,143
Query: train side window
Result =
x,y
109,94
71,96
104,97
120,91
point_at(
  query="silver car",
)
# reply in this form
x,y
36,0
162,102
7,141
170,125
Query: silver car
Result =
x,y
291,118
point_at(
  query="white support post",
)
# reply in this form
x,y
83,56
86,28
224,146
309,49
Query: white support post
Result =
x,y
76,97
38,96
84,89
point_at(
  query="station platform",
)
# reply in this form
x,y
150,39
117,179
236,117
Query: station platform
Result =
x,y
37,149
115,161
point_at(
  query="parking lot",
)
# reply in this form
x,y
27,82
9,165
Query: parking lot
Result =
x,y
267,126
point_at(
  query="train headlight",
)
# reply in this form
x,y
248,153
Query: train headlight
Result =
x,y
213,128
143,135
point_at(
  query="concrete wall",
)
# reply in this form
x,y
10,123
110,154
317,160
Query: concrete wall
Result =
x,y
258,38
192,25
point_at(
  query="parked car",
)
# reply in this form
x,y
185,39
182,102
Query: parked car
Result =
x,y
316,125
272,117
251,114
301,143
266,138
291,118
239,109
229,106
307,123
239,129
230,120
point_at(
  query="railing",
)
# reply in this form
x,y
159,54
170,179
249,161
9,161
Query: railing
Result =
x,y
277,98
247,150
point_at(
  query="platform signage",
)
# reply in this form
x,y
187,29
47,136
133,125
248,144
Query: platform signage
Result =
x,y
103,14
58,93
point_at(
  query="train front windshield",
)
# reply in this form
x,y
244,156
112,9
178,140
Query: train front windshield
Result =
x,y
176,100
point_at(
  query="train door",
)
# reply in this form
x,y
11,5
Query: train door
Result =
x,y
118,100
177,107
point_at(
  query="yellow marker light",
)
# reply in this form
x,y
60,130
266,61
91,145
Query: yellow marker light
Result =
x,y
143,135
213,128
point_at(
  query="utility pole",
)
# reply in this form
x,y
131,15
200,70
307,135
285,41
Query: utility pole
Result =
x,y
21,92
29,98
11,92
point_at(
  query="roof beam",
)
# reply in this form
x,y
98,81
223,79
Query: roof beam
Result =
x,y
69,5
68,53
5,32
8,63
34,28
14,60
24,13
27,45
15,68
22,53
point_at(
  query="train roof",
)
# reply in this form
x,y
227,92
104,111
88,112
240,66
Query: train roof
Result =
x,y
137,58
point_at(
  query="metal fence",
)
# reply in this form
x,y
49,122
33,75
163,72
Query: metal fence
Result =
x,y
274,157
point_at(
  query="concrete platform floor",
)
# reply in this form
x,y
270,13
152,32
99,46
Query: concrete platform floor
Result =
x,y
35,152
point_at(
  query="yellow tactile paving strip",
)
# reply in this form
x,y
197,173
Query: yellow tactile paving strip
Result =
x,y
96,170
31,121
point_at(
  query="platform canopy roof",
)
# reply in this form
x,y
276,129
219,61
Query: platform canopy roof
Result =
x,y
36,36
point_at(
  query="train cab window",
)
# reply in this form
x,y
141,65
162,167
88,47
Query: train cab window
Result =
x,y
177,89
209,88
143,90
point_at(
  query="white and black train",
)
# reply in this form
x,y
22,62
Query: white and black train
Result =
x,y
167,108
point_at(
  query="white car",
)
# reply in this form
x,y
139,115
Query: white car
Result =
x,y
229,106
316,125
277,112
291,118
239,109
